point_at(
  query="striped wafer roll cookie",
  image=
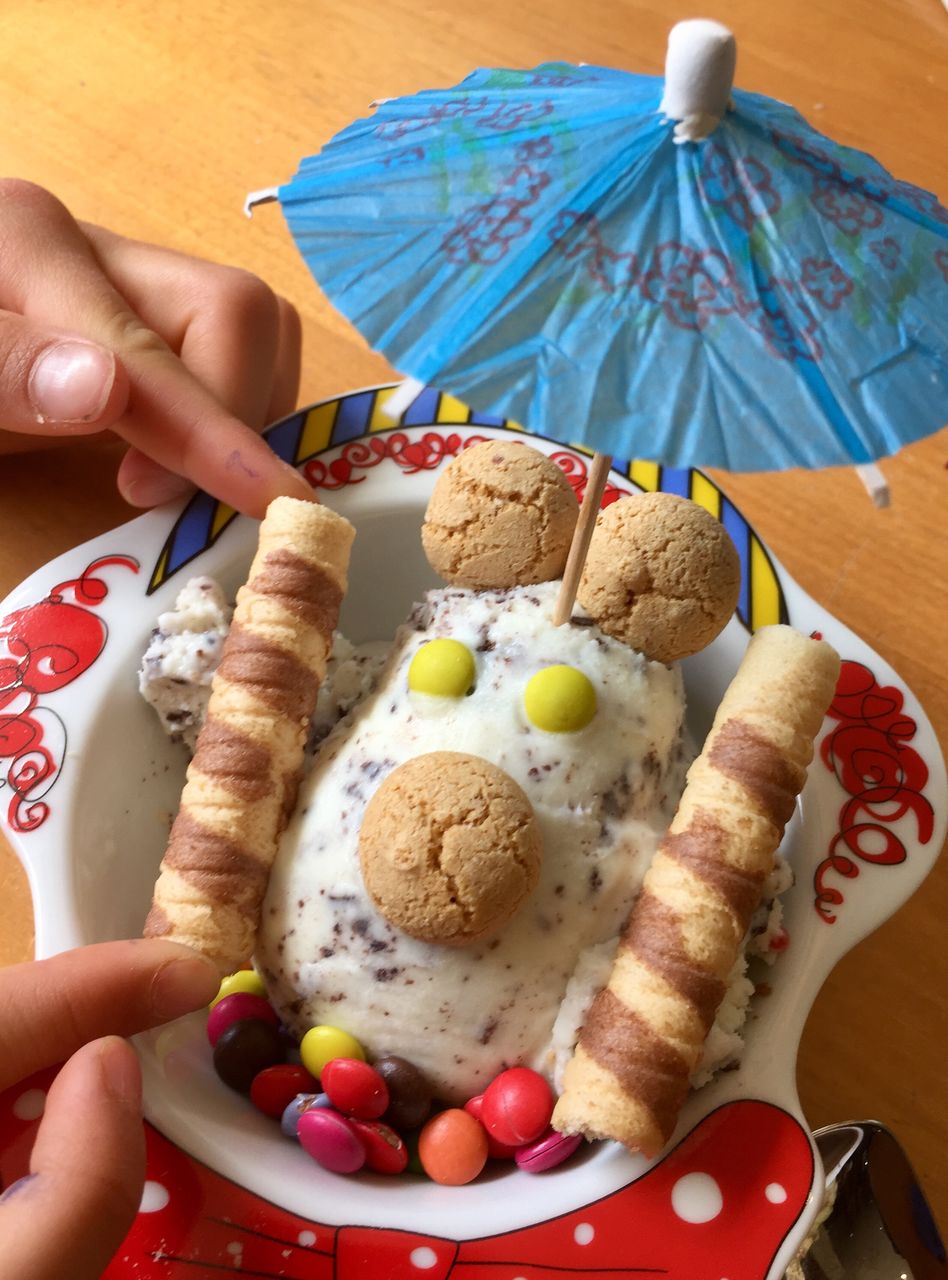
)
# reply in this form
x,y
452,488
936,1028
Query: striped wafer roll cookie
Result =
x,y
645,1031
241,783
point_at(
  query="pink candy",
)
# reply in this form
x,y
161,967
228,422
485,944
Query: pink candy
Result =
x,y
331,1140
237,1008
547,1152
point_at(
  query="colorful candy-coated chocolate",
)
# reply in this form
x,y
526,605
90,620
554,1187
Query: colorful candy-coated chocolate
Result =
x,y
444,668
517,1106
385,1152
414,1159
275,1088
409,1094
321,1044
495,1150
290,1120
244,982
331,1140
780,941
549,1150
453,1147
290,1038
560,699
236,1008
244,1049
355,1088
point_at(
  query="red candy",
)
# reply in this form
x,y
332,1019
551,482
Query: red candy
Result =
x,y
238,1008
385,1152
355,1088
274,1088
495,1150
517,1106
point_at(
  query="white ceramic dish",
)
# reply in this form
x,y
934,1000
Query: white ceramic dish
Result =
x,y
87,786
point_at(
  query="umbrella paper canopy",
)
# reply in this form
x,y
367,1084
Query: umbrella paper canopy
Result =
x,y
542,244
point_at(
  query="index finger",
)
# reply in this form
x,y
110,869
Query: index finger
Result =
x,y
50,1008
55,279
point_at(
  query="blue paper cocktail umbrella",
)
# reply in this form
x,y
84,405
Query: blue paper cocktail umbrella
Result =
x,y
652,268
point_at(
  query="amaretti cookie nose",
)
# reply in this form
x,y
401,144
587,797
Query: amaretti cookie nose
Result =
x,y
449,848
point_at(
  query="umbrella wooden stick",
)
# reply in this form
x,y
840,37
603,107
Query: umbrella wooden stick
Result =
x,y
875,484
582,535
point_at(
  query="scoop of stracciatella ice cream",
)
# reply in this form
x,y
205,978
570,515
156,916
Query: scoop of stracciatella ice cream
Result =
x,y
182,656
601,796
185,649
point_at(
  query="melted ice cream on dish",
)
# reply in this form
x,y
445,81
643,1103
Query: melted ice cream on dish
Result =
x,y
182,656
602,797
185,648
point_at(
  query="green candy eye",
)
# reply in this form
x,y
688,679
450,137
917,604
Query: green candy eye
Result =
x,y
444,668
560,700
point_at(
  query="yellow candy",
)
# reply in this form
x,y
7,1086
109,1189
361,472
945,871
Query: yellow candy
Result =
x,y
560,700
321,1044
444,668
244,981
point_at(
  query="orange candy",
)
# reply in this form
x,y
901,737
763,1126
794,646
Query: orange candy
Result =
x,y
453,1148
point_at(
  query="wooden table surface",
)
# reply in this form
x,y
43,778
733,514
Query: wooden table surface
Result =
x,y
155,120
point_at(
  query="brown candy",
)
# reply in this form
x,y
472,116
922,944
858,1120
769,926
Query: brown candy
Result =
x,y
244,1050
408,1091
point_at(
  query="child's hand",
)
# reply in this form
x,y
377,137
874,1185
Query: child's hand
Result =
x,y
87,1169
184,359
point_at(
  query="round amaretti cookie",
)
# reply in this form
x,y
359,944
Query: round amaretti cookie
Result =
x,y
449,848
662,574
501,515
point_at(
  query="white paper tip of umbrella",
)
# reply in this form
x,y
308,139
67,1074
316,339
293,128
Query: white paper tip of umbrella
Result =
x,y
266,195
699,74
875,483
401,398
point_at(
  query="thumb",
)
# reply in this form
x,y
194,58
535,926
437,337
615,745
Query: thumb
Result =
x,y
56,383
86,1171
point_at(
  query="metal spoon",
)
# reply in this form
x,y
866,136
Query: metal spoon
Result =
x,y
880,1226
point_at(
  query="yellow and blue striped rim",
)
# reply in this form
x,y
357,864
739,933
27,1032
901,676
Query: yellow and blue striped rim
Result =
x,y
335,422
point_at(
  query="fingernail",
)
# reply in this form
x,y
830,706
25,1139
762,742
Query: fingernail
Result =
x,y
15,1187
296,485
181,986
120,1071
155,490
71,382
